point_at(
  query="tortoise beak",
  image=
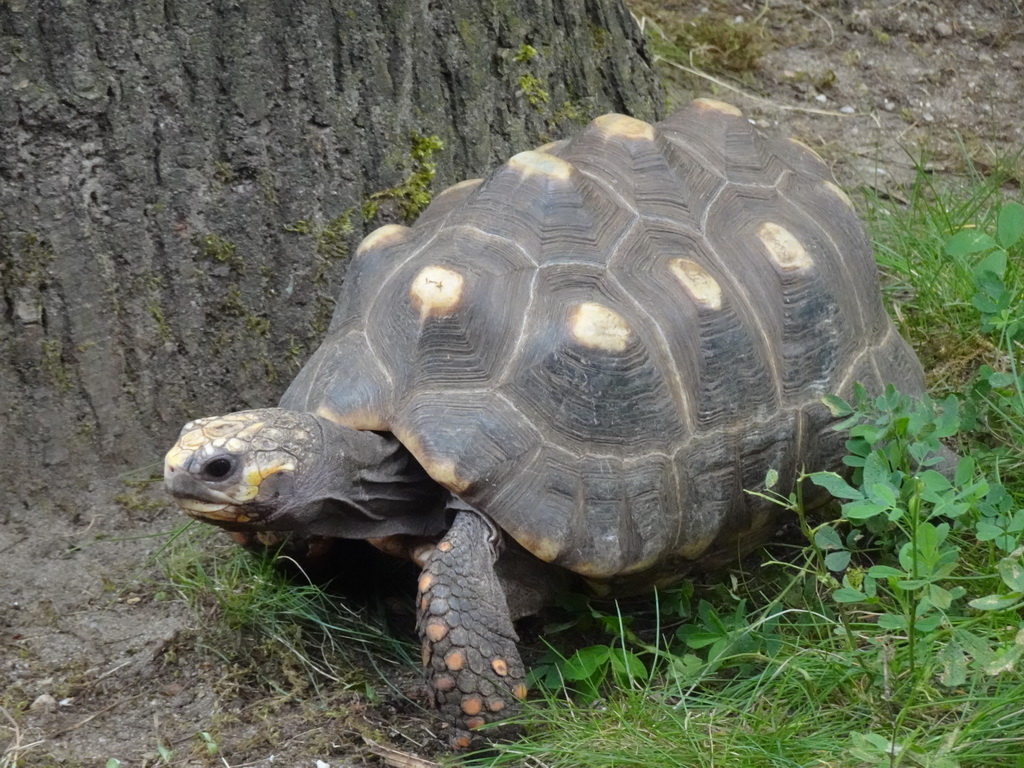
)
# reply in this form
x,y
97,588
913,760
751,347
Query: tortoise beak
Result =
x,y
198,500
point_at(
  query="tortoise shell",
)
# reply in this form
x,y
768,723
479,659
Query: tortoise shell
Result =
x,y
605,342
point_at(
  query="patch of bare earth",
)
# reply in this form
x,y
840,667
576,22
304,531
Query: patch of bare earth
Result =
x,y
100,660
97,658
873,86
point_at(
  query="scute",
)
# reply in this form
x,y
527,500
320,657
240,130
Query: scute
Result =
x,y
445,203
824,212
549,209
568,509
482,437
638,165
344,382
722,366
428,338
791,277
588,373
607,342
375,258
724,142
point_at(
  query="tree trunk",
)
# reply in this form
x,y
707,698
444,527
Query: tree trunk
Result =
x,y
180,181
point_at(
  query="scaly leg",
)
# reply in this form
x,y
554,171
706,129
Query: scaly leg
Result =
x,y
474,669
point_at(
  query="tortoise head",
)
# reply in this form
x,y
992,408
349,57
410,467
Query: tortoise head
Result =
x,y
246,469
273,469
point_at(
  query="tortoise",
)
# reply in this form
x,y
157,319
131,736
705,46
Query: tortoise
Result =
x,y
567,375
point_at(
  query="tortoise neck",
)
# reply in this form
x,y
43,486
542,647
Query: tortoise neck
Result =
x,y
374,487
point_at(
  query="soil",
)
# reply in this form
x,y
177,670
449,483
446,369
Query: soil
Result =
x,y
99,660
874,87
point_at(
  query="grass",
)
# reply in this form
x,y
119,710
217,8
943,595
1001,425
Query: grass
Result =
x,y
893,636
935,288
697,47
711,39
289,629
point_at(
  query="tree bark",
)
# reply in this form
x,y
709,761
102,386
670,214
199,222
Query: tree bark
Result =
x,y
180,181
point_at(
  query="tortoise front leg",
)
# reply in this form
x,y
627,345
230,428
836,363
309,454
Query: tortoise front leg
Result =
x,y
473,667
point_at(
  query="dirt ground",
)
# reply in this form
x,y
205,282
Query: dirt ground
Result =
x,y
97,658
874,86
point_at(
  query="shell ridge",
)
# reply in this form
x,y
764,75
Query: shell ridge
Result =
x,y
676,540
675,377
609,190
568,451
798,447
862,310
376,358
476,230
617,248
709,205
504,373
745,306
852,365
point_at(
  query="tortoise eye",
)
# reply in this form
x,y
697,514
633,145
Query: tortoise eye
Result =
x,y
218,469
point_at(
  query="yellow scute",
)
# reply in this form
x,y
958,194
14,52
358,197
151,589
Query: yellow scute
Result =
x,y
534,163
701,286
599,327
623,127
436,291
441,468
382,237
783,247
717,106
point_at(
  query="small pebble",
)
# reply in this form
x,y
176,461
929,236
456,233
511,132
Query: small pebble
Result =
x,y
928,117
942,29
847,110
888,106
821,98
44,703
